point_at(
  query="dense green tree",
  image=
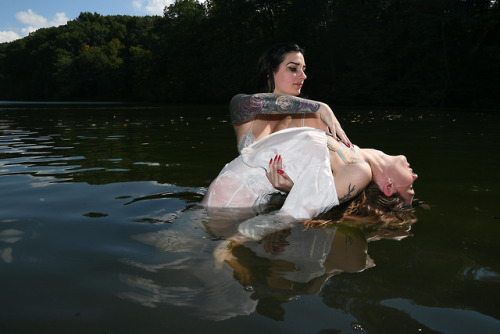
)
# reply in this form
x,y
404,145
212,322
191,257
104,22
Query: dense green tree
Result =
x,y
180,63
382,52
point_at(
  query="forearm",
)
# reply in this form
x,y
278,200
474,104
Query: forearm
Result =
x,y
245,107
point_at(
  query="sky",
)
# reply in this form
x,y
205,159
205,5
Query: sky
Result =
x,y
20,17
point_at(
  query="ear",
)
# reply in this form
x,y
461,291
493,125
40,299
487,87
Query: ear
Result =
x,y
388,188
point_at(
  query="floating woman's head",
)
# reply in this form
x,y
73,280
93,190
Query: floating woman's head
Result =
x,y
396,178
372,208
282,69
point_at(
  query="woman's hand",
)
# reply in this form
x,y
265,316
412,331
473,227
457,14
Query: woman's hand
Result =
x,y
331,121
278,178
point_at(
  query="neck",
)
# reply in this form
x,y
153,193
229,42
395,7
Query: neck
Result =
x,y
378,162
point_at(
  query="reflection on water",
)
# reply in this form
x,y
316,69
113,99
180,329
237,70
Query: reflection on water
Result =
x,y
100,221
259,276
9,236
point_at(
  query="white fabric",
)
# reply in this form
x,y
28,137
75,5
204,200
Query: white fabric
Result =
x,y
247,139
308,249
238,186
257,227
306,160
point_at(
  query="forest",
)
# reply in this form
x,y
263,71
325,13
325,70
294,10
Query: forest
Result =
x,y
414,53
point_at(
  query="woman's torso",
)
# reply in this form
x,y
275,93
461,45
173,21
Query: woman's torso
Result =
x,y
350,170
264,125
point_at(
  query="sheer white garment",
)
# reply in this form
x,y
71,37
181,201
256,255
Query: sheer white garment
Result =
x,y
247,139
306,160
307,249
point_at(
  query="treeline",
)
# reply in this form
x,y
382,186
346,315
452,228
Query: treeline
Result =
x,y
358,52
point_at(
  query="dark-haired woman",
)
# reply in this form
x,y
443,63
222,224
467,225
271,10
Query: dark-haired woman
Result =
x,y
281,75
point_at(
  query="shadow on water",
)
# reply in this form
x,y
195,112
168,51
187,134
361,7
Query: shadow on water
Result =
x,y
100,222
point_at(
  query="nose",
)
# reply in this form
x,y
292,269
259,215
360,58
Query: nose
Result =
x,y
414,176
303,74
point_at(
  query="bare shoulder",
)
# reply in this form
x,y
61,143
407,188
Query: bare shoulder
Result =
x,y
351,181
351,173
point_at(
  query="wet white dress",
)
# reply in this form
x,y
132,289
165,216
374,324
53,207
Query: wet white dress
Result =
x,y
306,160
307,249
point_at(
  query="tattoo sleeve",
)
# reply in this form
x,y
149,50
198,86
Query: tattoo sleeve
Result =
x,y
244,107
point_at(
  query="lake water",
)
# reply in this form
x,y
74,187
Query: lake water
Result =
x,y
101,229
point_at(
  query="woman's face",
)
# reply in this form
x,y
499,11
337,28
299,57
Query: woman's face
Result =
x,y
290,76
402,177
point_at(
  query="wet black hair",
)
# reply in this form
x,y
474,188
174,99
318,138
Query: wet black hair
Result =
x,y
269,62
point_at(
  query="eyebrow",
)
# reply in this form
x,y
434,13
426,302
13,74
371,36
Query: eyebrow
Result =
x,y
292,62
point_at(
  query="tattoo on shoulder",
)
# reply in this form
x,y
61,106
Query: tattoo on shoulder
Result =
x,y
351,193
348,155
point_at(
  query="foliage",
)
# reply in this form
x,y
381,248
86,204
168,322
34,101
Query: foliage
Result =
x,y
381,52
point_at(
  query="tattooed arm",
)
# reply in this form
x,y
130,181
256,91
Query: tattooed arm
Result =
x,y
243,108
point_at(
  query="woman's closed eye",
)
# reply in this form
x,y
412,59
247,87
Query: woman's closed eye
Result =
x,y
295,69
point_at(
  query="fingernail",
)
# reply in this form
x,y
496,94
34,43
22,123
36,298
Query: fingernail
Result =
x,y
279,157
280,171
271,161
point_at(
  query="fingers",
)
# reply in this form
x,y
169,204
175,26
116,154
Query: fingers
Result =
x,y
273,167
272,175
277,176
339,133
275,164
343,138
331,121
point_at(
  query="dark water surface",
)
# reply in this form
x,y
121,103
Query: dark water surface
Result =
x,y
101,229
